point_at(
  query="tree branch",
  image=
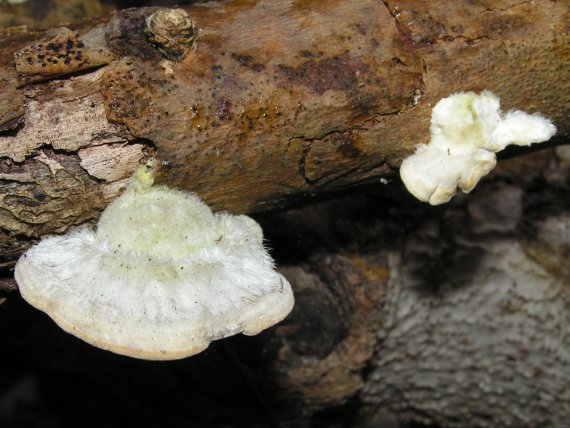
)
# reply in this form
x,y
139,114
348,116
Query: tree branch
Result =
x,y
271,102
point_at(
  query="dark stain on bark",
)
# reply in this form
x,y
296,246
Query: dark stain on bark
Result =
x,y
223,110
338,73
242,59
348,144
248,61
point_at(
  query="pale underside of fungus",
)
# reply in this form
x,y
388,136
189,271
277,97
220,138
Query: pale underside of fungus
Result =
x,y
466,131
160,278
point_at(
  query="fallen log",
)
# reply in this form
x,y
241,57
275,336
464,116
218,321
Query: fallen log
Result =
x,y
263,105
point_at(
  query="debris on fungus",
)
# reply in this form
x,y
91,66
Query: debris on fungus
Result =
x,y
466,131
160,278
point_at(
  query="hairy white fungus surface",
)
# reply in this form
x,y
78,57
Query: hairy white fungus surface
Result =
x,y
466,131
160,278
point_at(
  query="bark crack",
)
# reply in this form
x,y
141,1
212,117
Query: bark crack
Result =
x,y
492,10
308,143
405,36
304,154
446,38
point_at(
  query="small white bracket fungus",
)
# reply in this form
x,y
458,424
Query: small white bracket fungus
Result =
x,y
160,278
466,131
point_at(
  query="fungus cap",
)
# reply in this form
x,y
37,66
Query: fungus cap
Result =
x,y
466,131
160,278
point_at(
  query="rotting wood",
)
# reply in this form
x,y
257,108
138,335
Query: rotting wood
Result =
x,y
277,100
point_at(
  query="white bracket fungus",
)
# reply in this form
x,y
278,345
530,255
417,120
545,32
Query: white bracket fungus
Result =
x,y
160,278
466,131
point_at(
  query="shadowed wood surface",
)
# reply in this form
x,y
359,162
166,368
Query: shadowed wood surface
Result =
x,y
453,315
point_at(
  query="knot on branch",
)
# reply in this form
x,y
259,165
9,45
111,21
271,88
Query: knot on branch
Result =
x,y
151,33
171,31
